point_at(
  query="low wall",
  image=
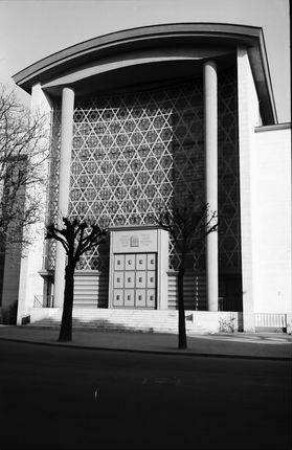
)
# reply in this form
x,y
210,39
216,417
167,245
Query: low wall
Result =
x,y
159,321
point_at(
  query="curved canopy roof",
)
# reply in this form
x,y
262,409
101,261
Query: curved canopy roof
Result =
x,y
176,45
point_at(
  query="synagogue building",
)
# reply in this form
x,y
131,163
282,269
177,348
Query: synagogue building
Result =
x,y
143,120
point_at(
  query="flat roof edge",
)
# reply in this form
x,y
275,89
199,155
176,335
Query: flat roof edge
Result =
x,y
275,127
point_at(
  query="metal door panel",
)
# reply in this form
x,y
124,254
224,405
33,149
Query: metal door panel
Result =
x,y
119,262
151,261
118,298
141,279
130,262
150,298
151,279
129,297
129,279
140,298
118,280
141,262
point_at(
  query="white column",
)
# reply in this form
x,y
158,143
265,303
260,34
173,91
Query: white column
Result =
x,y
211,151
64,186
30,281
247,120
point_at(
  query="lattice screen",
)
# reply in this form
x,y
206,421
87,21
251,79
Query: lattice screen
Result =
x,y
228,186
133,151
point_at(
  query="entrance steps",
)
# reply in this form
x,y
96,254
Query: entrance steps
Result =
x,y
157,321
110,319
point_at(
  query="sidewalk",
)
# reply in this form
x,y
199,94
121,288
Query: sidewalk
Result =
x,y
237,345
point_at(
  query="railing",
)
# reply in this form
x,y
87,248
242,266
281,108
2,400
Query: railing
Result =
x,y
271,320
43,301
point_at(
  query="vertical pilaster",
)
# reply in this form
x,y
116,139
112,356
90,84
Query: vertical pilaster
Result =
x,y
247,120
211,152
64,186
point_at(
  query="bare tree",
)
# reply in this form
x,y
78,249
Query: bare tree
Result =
x,y
77,238
23,149
188,225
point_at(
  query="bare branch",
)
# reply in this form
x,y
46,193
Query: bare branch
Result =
x,y
187,225
23,150
57,234
76,237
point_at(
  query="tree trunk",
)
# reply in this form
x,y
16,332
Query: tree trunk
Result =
x,y
66,325
182,337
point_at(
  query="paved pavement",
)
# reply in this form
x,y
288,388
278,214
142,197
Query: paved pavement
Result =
x,y
236,345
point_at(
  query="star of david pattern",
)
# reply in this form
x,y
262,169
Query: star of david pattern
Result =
x,y
228,169
134,152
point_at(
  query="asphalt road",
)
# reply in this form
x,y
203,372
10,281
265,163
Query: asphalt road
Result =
x,y
59,398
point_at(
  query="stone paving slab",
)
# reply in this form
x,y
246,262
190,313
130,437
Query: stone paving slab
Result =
x,y
243,345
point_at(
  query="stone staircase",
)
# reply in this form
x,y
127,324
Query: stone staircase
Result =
x,y
157,321
112,319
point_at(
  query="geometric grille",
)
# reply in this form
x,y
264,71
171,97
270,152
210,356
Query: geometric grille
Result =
x,y
228,168
133,152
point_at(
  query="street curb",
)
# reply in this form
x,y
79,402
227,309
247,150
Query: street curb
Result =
x,y
157,352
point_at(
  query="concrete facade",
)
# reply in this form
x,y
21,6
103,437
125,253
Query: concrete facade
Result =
x,y
64,187
248,118
272,219
30,281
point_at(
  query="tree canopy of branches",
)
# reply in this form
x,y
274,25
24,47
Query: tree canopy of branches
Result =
x,y
77,237
23,148
188,225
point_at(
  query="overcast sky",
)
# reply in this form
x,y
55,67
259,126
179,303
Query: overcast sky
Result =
x,y
33,29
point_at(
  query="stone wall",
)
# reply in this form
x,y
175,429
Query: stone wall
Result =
x,y
272,219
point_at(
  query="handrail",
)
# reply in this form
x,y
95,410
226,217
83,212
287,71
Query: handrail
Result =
x,y
43,301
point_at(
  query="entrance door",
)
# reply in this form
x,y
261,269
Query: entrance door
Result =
x,y
134,280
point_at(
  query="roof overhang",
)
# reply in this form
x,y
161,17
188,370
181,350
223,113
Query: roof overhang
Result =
x,y
157,44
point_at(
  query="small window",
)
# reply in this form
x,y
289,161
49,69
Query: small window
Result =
x,y
140,261
118,297
129,280
129,297
151,298
140,297
140,279
129,262
118,280
118,262
152,261
151,279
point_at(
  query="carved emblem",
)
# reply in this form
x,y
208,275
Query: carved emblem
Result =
x,y
134,241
